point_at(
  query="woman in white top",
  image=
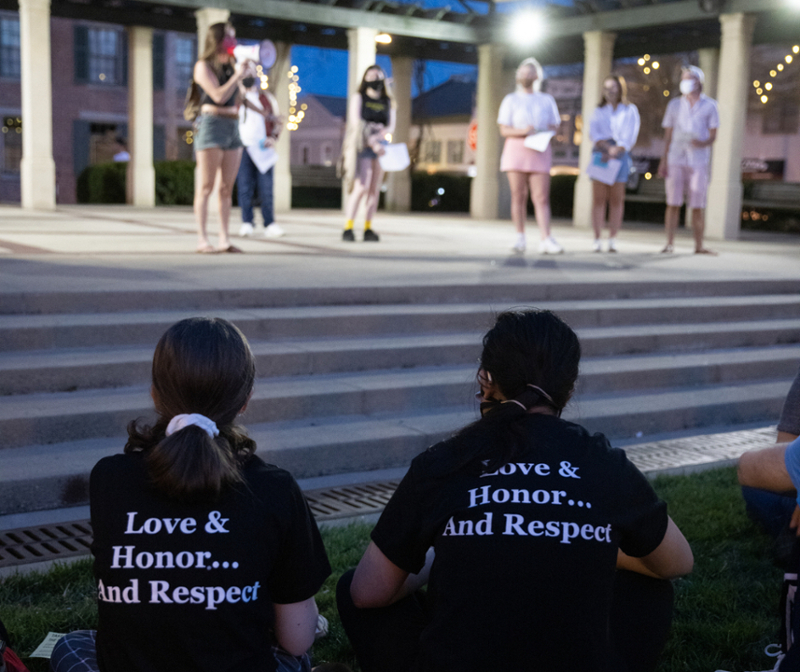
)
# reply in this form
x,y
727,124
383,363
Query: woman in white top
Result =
x,y
614,129
523,113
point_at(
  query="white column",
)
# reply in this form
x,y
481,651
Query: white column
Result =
x,y
37,168
141,178
398,194
484,190
207,17
598,48
360,55
282,173
709,64
724,211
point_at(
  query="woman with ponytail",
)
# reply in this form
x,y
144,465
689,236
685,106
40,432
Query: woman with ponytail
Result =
x,y
206,558
543,547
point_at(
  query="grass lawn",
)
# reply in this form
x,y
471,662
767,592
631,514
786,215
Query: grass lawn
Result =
x,y
726,611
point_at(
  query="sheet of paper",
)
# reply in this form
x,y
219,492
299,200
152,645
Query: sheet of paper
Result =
x,y
539,141
395,157
45,649
604,172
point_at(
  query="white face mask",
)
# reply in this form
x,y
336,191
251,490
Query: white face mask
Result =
x,y
687,86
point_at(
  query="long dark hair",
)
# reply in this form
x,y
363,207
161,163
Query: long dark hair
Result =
x,y
201,365
532,357
362,88
214,38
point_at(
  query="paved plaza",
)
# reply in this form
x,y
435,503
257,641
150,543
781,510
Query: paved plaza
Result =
x,y
112,248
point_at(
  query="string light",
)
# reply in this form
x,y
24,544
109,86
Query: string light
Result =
x,y
656,65
768,86
756,84
759,91
647,71
764,99
295,117
788,58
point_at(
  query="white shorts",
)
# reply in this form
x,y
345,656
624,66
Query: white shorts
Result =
x,y
682,179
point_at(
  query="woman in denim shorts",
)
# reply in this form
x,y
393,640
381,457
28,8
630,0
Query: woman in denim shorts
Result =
x,y
217,141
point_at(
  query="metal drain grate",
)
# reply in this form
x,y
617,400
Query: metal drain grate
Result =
x,y
44,542
353,500
52,542
65,540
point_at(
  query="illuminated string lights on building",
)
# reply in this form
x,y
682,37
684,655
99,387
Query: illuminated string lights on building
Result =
x,y
649,66
295,116
768,86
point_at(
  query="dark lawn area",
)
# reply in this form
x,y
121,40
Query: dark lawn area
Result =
x,y
726,611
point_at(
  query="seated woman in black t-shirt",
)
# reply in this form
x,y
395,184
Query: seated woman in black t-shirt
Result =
x,y
206,558
542,546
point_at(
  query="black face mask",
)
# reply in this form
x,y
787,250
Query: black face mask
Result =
x,y
248,82
376,86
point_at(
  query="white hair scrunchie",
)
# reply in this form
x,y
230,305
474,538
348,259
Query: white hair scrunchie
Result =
x,y
185,419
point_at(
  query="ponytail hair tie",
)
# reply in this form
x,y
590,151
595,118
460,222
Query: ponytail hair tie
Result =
x,y
538,389
185,419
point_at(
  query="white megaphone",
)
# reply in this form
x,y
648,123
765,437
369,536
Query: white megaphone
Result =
x,y
262,53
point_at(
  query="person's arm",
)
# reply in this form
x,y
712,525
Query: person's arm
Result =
x,y
712,135
295,625
511,132
663,169
207,80
630,132
378,582
390,129
672,557
765,469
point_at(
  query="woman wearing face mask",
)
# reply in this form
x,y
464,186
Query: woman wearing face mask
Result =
x,y
523,113
371,120
543,547
217,144
614,129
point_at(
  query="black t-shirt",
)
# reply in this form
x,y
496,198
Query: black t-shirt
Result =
x,y
376,111
191,587
525,557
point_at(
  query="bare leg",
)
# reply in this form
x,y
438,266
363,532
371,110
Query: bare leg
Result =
x,y
540,195
600,197
374,189
671,224
616,208
208,162
698,229
229,168
360,187
519,199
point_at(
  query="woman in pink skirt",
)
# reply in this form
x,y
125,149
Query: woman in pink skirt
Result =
x,y
523,113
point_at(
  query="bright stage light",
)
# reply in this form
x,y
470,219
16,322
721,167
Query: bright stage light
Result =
x,y
527,27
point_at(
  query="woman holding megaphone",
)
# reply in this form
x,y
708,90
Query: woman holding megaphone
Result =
x,y
217,142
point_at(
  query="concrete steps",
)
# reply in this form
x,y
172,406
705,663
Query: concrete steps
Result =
x,y
366,386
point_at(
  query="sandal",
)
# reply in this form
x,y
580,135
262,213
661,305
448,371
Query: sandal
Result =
x,y
705,250
230,249
205,249
669,249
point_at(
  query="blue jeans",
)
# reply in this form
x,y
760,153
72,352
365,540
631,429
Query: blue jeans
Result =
x,y
773,511
248,181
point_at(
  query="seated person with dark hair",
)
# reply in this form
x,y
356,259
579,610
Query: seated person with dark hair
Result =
x,y
770,477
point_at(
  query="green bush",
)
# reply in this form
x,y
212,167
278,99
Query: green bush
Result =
x,y
174,182
105,183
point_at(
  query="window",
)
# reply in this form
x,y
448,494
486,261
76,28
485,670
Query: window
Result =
x,y
103,142
327,155
305,156
433,151
185,57
11,144
455,151
100,56
782,117
9,48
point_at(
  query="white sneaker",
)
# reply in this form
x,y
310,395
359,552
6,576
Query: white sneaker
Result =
x,y
274,231
612,244
246,231
550,246
598,246
519,245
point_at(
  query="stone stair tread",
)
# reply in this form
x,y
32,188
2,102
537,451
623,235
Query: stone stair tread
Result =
x,y
21,321
688,328
74,457
136,397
